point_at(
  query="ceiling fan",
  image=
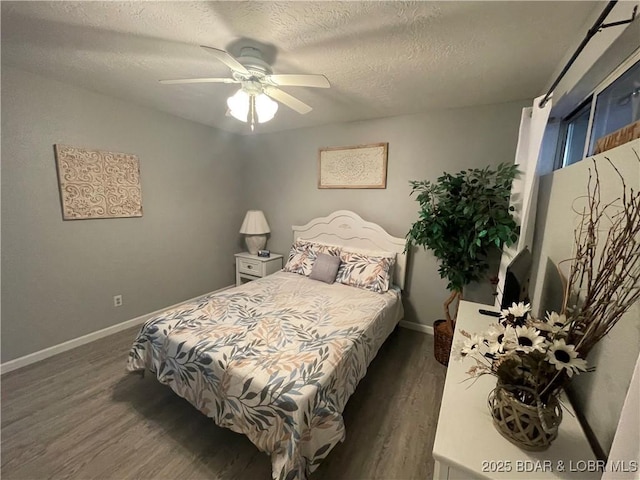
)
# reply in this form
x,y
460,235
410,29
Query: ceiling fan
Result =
x,y
258,85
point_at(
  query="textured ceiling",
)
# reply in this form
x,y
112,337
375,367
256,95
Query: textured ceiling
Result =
x,y
382,58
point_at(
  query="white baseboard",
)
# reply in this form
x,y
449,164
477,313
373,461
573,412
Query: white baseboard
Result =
x,y
90,337
417,327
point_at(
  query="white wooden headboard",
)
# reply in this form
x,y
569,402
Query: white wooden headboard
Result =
x,y
348,229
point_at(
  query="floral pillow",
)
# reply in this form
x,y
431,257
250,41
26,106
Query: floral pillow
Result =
x,y
297,256
370,272
303,255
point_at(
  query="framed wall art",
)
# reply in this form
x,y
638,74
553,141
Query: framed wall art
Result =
x,y
361,166
97,184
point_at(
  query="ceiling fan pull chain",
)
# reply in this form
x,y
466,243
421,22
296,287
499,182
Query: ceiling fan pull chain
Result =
x,y
252,110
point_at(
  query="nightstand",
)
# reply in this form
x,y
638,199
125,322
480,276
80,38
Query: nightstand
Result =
x,y
251,267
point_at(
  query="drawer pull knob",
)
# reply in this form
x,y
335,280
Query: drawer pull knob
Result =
x,y
249,267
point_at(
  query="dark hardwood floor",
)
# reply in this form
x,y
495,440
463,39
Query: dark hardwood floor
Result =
x,y
79,415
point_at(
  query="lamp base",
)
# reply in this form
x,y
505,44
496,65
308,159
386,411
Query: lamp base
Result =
x,y
255,243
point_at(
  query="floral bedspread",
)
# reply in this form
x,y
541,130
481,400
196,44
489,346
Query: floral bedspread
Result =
x,y
275,359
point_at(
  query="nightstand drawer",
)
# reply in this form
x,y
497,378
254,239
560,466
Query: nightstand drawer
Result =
x,y
246,265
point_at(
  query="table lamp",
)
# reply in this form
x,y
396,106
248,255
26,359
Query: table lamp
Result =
x,y
255,229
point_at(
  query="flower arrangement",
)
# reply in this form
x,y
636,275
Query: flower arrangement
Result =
x,y
536,358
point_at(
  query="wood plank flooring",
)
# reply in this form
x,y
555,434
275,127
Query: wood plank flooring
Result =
x,y
79,415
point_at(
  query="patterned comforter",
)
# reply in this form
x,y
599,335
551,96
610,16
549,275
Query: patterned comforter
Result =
x,y
275,359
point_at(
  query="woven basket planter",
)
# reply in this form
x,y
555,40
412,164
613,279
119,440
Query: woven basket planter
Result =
x,y
442,339
526,426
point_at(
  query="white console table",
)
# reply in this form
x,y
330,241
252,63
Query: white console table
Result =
x,y
467,445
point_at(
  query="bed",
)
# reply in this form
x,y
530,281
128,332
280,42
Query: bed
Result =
x,y
277,358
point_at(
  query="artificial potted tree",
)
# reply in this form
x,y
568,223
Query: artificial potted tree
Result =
x,y
462,218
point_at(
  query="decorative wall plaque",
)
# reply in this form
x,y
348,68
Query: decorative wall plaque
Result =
x,y
362,166
97,184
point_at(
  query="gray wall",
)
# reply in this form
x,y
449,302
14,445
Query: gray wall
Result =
x,y
598,395
197,182
282,179
59,277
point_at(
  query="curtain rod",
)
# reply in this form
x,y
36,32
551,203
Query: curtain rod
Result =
x,y
597,26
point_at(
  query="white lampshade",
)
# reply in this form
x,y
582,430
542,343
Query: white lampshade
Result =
x,y
265,108
240,107
254,223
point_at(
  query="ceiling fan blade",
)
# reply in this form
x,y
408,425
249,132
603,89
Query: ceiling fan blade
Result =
x,y
199,80
316,81
227,59
292,102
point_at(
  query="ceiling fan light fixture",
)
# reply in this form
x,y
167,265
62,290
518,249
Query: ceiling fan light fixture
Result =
x,y
266,108
239,105
259,97
249,107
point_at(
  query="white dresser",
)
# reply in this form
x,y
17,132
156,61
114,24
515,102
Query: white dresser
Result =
x,y
467,445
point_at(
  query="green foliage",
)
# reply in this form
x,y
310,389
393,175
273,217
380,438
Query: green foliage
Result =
x,y
462,217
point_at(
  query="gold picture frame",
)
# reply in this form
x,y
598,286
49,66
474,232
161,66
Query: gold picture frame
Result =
x,y
360,166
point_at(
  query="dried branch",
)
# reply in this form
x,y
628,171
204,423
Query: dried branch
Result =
x,y
604,280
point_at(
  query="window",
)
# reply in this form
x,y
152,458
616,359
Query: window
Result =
x,y
614,104
575,128
617,106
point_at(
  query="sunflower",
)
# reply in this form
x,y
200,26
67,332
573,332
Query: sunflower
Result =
x,y
516,314
528,339
499,339
519,309
565,356
470,345
557,323
456,352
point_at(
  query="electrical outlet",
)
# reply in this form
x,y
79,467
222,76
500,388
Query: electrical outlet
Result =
x,y
117,301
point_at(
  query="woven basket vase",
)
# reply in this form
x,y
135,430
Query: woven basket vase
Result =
x,y
526,426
